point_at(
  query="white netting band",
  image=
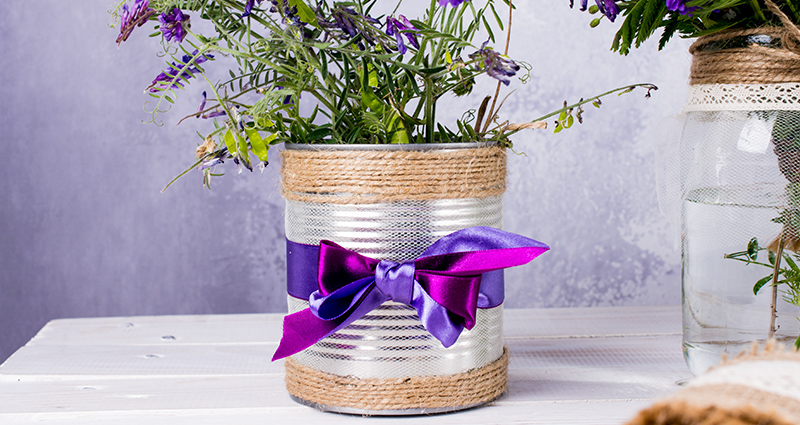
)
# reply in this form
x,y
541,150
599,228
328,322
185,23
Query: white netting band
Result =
x,y
743,97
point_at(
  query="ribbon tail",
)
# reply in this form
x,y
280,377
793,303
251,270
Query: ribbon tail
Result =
x,y
435,318
303,329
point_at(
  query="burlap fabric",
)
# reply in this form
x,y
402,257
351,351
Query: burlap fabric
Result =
x,y
756,388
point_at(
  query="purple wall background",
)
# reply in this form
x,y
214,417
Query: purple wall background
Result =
x,y
85,231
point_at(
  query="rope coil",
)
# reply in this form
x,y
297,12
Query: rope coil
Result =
x,y
372,176
422,392
750,62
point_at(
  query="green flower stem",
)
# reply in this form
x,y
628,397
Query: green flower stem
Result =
x,y
796,18
430,120
620,90
757,10
775,272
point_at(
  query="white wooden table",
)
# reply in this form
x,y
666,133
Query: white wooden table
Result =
x,y
589,366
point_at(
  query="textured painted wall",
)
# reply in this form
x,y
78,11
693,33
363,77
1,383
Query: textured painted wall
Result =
x,y
85,231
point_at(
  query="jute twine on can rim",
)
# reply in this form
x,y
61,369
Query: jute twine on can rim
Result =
x,y
372,176
417,393
748,63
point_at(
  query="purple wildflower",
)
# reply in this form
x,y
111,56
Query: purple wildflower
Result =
x,y
453,3
132,18
212,114
607,7
348,24
248,7
211,162
495,65
166,76
174,25
395,27
680,7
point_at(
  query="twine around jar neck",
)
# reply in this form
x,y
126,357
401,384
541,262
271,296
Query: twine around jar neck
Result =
x,y
764,55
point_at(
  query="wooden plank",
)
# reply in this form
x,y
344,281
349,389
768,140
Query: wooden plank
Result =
x,y
562,370
592,322
162,330
613,412
266,328
597,368
579,366
43,362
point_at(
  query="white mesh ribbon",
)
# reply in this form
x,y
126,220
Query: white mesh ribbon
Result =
x,y
720,149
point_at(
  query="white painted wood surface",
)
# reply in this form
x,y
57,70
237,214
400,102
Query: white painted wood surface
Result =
x,y
568,366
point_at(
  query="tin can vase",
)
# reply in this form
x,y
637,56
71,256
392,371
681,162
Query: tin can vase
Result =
x,y
738,176
390,202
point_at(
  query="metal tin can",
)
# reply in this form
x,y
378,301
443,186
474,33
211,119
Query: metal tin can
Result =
x,y
390,343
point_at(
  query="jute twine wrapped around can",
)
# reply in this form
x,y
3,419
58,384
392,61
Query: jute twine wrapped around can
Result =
x,y
366,176
390,203
416,392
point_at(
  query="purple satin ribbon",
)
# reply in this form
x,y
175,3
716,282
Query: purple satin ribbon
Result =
x,y
452,278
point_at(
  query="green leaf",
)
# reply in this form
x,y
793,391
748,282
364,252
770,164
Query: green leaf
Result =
x,y
230,142
760,284
397,129
257,144
305,13
752,249
373,77
791,262
319,133
370,101
652,17
488,29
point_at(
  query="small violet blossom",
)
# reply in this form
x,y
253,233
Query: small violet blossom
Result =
x,y
248,7
496,66
395,27
680,7
607,7
211,114
174,25
166,76
133,17
347,24
453,3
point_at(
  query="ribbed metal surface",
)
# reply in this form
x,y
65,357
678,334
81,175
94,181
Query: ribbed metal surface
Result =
x,y
390,342
394,231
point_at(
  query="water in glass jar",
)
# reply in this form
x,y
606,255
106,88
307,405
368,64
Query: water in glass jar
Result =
x,y
720,312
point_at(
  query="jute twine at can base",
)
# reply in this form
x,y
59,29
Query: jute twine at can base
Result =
x,y
471,388
372,176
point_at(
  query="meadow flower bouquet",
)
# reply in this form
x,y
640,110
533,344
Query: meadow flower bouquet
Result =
x,y
333,71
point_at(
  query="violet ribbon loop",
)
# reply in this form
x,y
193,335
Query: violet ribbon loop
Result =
x,y
444,285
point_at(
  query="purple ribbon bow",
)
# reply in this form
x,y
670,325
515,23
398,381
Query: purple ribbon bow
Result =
x,y
444,285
